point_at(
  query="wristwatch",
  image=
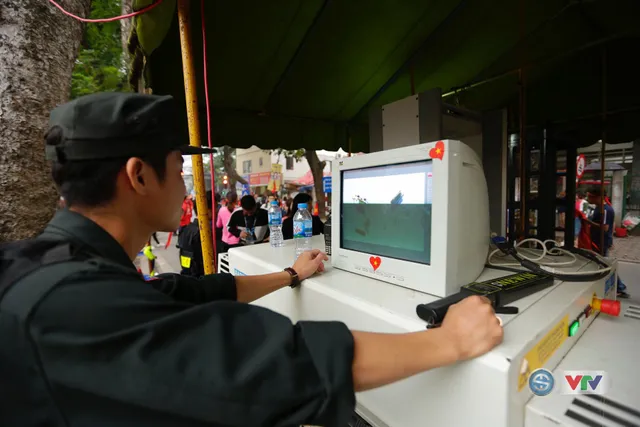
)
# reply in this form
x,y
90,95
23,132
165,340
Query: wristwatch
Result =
x,y
295,280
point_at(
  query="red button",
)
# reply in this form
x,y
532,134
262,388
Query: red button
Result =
x,y
610,307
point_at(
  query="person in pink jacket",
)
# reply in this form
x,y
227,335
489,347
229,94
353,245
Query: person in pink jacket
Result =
x,y
228,239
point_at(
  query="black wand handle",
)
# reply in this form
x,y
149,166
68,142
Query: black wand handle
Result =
x,y
434,312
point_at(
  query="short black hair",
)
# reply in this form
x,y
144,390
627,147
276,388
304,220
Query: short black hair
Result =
x,y
218,198
596,191
300,198
232,197
580,194
248,203
92,183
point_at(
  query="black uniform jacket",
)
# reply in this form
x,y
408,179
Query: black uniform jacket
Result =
x,y
109,349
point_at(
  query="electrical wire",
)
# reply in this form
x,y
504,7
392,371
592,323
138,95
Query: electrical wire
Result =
x,y
105,20
553,251
539,264
209,139
206,88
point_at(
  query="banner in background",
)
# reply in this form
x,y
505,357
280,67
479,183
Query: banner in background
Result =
x,y
275,181
259,179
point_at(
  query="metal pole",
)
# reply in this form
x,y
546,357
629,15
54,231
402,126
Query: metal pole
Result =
x,y
524,215
569,231
524,193
603,146
542,61
191,95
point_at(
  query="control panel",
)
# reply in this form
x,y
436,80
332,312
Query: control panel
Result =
x,y
605,306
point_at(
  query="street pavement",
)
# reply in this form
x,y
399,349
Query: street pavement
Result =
x,y
168,260
626,248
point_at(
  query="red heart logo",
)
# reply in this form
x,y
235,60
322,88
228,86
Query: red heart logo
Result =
x,y
375,262
437,152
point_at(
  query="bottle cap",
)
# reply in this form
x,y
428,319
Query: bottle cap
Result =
x,y
302,206
274,203
610,307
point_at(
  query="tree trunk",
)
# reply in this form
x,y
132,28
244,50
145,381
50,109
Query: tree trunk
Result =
x,y
125,29
126,25
317,170
230,168
38,47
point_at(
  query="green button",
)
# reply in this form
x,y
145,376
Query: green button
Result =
x,y
573,329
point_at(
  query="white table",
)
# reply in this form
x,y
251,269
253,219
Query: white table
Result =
x,y
483,392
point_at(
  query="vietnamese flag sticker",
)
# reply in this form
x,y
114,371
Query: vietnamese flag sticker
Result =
x,y
375,262
437,152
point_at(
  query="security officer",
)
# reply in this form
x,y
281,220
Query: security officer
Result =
x,y
87,342
189,243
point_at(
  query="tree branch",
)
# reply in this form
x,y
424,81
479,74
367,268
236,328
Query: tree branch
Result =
x,y
230,167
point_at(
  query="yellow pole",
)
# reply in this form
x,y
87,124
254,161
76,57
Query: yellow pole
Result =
x,y
190,91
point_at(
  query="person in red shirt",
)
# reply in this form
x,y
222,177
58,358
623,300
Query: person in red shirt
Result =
x,y
580,225
187,212
584,237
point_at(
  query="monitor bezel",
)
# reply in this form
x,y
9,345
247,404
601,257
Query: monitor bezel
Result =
x,y
428,161
395,271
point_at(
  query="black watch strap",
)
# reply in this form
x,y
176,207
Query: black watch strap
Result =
x,y
295,279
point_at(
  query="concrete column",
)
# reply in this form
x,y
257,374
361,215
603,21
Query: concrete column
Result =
x,y
494,162
410,121
635,177
617,195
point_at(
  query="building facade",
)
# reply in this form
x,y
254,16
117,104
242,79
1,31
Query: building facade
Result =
x,y
257,167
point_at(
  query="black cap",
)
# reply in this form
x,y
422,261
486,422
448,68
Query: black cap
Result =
x,y
114,125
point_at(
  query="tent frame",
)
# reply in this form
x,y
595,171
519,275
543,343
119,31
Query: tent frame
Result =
x,y
190,89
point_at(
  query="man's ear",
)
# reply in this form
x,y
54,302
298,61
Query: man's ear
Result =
x,y
138,175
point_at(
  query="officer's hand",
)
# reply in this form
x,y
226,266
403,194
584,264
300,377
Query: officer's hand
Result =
x,y
244,234
309,262
472,327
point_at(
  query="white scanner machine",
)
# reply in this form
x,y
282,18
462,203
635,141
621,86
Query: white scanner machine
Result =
x,y
410,226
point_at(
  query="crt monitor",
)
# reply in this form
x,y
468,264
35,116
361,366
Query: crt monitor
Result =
x,y
415,216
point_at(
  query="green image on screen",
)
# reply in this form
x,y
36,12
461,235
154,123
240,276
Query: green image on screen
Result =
x,y
386,211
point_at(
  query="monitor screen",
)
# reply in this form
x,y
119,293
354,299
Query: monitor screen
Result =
x,y
386,211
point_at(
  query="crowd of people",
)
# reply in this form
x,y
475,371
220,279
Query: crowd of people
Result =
x,y
237,222
244,221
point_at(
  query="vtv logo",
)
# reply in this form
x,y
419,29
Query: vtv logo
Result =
x,y
585,382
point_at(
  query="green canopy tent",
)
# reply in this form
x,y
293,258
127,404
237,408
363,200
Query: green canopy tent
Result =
x,y
304,73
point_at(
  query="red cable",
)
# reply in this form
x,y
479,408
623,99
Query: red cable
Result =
x,y
116,18
212,168
206,93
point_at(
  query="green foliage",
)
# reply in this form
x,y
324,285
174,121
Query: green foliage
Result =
x,y
99,66
298,154
218,163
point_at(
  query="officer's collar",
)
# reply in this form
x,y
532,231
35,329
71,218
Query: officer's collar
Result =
x,y
90,235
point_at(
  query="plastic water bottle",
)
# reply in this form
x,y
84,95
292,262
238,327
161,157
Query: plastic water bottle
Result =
x,y
275,225
302,229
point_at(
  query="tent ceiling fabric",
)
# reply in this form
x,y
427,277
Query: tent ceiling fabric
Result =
x,y
304,73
